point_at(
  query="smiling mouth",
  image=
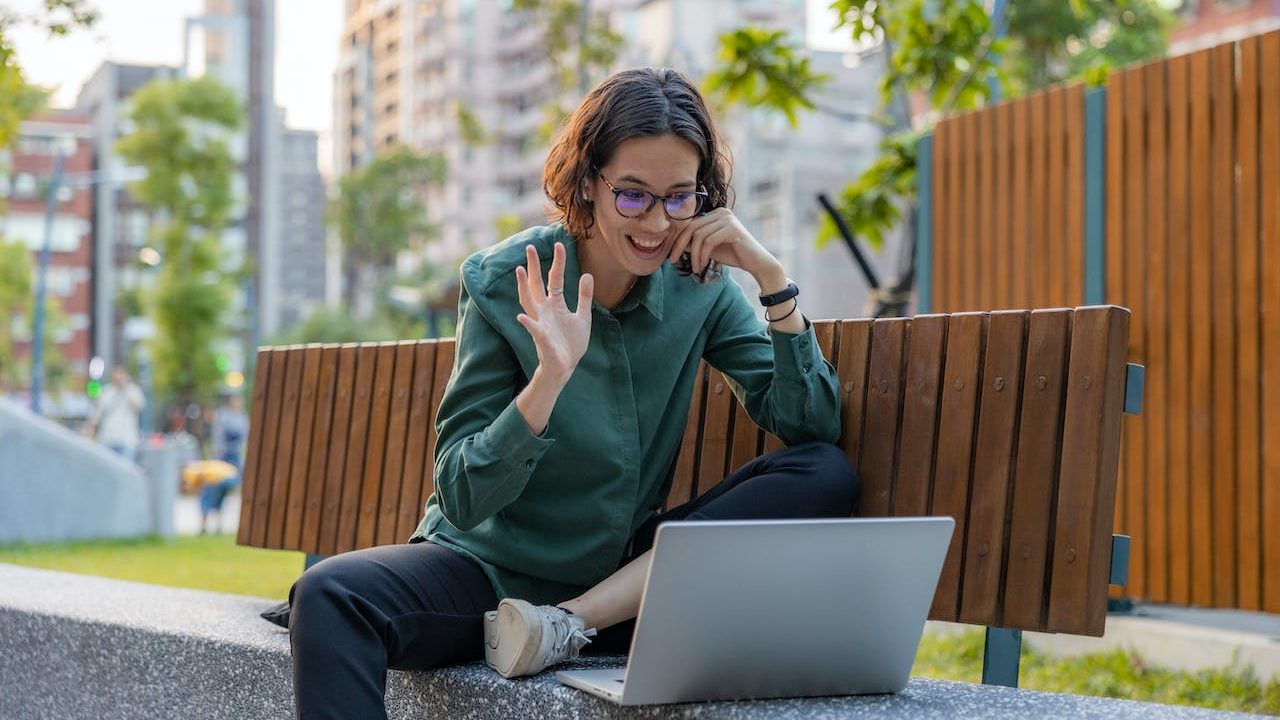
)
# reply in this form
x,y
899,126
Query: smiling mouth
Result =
x,y
646,247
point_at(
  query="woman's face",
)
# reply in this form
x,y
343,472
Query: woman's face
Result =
x,y
660,164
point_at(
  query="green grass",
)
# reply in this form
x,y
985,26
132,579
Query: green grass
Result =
x,y
1117,674
205,562
217,563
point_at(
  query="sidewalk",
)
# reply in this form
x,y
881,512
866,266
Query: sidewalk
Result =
x,y
186,514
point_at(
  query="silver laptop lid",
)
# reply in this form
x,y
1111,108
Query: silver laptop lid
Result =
x,y
784,608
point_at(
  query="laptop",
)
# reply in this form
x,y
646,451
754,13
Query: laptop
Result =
x,y
750,609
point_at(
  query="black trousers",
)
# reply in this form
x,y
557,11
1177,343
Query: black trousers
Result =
x,y
421,606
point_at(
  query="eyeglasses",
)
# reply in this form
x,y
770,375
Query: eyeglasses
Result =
x,y
634,203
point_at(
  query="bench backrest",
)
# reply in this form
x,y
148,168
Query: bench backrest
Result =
x,y
1007,421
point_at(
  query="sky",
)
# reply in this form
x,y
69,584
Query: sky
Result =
x,y
151,31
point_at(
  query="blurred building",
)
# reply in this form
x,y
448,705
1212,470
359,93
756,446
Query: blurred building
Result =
x,y
302,230
1206,23
121,225
25,175
406,67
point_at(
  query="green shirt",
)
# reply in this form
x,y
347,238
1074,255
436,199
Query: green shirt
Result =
x,y
549,516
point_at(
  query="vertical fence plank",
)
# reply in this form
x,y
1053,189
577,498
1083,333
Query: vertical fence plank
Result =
x,y
416,457
966,336
339,446
1154,327
968,260
955,231
300,465
397,430
1248,376
1223,324
321,447
1179,372
1003,260
1021,200
1135,243
880,437
1074,172
1117,102
986,279
1202,300
1038,259
1054,238
1035,480
912,486
984,565
1269,163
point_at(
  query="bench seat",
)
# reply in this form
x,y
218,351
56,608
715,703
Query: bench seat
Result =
x,y
74,646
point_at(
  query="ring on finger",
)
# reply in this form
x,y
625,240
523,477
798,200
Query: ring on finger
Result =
x,y
555,291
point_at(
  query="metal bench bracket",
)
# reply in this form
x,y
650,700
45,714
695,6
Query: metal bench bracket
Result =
x,y
1119,560
1001,657
1134,381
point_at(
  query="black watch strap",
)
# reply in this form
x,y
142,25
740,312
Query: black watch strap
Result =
x,y
781,296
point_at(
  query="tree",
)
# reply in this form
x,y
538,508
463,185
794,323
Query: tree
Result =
x,y
18,99
17,305
379,212
945,52
181,132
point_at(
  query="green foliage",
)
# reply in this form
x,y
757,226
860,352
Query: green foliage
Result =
x,y
18,100
946,51
469,125
336,325
17,303
379,210
506,225
181,133
757,67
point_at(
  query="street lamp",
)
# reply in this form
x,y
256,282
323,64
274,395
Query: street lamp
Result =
x,y
56,183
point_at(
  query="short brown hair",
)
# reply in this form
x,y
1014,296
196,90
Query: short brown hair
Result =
x,y
643,102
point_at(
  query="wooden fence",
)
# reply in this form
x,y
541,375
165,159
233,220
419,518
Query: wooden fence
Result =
x,y
1161,193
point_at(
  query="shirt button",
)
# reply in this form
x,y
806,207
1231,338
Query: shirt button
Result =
x,y
808,367
528,464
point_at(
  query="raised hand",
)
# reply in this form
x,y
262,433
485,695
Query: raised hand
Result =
x,y
559,334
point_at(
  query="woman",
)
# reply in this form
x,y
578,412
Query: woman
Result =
x,y
559,429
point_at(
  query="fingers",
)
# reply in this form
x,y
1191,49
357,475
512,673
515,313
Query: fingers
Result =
x,y
522,289
716,234
536,288
555,278
586,291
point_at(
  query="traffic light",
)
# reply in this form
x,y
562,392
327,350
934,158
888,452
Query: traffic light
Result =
x,y
94,387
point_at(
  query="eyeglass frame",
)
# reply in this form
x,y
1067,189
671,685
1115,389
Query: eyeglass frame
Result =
x,y
654,199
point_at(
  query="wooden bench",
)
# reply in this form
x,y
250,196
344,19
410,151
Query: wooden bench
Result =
x,y
1007,421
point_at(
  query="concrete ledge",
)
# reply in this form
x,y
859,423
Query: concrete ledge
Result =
x,y
82,647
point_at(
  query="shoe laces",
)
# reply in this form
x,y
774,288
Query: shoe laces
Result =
x,y
570,634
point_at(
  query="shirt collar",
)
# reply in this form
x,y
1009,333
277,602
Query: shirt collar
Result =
x,y
648,291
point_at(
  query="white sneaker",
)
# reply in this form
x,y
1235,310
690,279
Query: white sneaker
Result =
x,y
523,639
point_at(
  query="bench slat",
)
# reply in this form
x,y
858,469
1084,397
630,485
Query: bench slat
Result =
x,y
339,448
302,457
439,380
376,451
253,453
855,349
920,406
282,447
357,447
685,479
1036,472
965,333
884,389
993,461
321,448
397,430
1086,495
747,438
715,433
417,439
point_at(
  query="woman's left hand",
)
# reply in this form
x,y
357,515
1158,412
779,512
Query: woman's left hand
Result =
x,y
719,235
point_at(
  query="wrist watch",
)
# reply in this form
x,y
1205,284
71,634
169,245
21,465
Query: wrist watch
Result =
x,y
781,296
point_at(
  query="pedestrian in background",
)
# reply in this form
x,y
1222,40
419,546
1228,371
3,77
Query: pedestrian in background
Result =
x,y
114,421
230,429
